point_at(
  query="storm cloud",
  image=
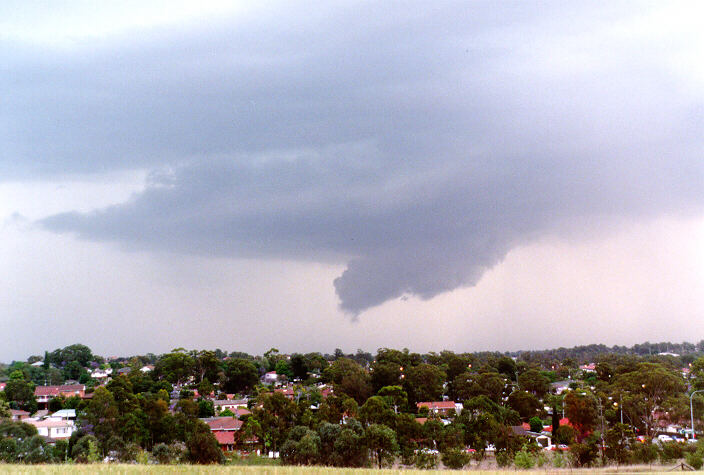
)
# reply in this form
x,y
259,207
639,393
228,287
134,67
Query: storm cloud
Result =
x,y
417,145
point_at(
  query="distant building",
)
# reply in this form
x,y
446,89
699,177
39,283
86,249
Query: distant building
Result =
x,y
46,393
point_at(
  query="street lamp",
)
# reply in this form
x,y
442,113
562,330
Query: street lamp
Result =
x,y
691,408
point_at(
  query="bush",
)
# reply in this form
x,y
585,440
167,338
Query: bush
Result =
x,y
142,457
86,450
536,424
695,460
8,450
203,448
559,460
671,452
524,459
564,435
162,453
60,450
645,453
35,450
541,459
583,455
426,461
455,458
503,459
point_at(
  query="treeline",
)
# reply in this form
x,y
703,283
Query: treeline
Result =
x,y
361,409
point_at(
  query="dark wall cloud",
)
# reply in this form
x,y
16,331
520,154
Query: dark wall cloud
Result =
x,y
416,145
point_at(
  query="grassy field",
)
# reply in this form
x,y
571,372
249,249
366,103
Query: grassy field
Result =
x,y
264,470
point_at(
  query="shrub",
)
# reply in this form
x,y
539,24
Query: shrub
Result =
x,y
60,450
583,455
35,450
455,458
524,459
536,424
503,459
645,453
541,459
142,457
162,453
559,460
564,435
426,461
695,460
670,452
86,450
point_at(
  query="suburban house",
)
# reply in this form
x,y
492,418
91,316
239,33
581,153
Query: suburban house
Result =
x,y
235,406
53,428
543,439
101,373
224,428
64,414
288,392
18,415
270,378
558,387
442,408
46,393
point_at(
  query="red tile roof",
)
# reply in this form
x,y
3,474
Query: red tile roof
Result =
x,y
56,390
225,424
225,438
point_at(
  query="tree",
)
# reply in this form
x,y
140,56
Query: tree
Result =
x,y
79,353
524,403
646,389
86,450
302,447
73,370
507,367
202,446
455,458
276,417
424,383
175,367
395,397
240,375
20,393
376,411
102,414
350,378
581,410
536,424
299,367
534,382
283,368
385,374
381,441
349,449
618,439
469,385
207,366
205,408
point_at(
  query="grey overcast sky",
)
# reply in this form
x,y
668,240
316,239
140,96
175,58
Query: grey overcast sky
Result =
x,y
431,175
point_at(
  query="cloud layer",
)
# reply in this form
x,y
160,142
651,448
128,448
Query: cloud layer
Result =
x,y
417,145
